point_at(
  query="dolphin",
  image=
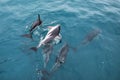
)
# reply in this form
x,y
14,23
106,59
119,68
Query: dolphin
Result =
x,y
47,50
91,36
60,59
34,25
52,33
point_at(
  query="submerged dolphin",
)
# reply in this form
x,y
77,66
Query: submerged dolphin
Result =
x,y
34,25
47,50
52,33
60,59
91,36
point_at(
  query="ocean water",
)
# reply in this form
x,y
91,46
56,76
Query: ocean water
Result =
x,y
98,60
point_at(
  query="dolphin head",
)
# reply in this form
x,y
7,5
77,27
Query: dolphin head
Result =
x,y
58,27
55,30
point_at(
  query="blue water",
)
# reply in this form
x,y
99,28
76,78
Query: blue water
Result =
x,y
98,60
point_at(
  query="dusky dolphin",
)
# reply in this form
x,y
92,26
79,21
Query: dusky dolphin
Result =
x,y
60,59
34,25
91,36
47,50
52,33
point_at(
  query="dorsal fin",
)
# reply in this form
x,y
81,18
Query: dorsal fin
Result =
x,y
39,17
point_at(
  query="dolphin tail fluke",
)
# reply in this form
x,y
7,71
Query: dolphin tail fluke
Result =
x,y
27,36
34,49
